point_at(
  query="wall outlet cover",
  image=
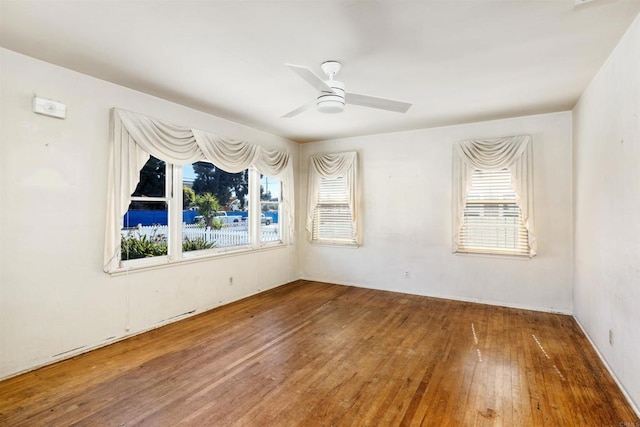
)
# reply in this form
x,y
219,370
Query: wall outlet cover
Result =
x,y
49,108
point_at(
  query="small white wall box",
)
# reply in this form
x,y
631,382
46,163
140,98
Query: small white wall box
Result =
x,y
49,108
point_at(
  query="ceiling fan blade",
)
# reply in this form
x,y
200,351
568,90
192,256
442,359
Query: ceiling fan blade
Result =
x,y
311,78
300,109
375,102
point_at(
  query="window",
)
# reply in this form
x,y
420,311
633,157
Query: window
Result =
x,y
270,209
170,196
145,231
493,197
333,195
332,221
212,212
216,208
492,218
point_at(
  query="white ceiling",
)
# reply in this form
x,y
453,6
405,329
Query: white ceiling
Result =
x,y
456,61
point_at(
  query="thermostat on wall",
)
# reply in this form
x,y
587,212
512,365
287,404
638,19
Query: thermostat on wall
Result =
x,y
49,108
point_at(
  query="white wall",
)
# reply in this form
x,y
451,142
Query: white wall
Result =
x,y
407,219
54,297
607,211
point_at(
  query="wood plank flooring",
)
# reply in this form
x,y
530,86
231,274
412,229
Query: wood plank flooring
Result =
x,y
316,354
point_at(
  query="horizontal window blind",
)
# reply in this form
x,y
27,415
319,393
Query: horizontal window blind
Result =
x,y
492,218
332,221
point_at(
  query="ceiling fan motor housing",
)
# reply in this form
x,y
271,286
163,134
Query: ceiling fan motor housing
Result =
x,y
333,97
331,102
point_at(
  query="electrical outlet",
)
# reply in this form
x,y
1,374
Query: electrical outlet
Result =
x,y
407,274
610,336
230,280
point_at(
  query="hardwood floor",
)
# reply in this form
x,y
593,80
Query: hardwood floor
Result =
x,y
316,354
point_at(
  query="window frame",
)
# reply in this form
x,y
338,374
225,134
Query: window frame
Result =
x,y
175,254
331,165
281,215
134,137
212,252
485,204
514,153
315,237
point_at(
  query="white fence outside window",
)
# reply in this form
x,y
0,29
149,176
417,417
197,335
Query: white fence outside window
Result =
x,y
227,236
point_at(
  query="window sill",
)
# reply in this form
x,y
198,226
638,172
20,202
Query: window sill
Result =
x,y
335,243
270,245
494,255
164,261
212,253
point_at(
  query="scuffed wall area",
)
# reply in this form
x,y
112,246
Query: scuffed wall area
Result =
x,y
607,211
55,300
407,216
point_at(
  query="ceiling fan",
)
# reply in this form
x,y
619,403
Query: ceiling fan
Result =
x,y
332,96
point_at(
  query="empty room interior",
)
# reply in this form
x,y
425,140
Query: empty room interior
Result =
x,y
320,213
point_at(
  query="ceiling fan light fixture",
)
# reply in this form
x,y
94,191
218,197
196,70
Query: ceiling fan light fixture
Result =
x,y
332,96
331,103
330,106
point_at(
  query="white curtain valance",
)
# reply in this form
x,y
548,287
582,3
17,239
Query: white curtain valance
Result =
x,y
333,166
135,137
492,154
173,144
513,153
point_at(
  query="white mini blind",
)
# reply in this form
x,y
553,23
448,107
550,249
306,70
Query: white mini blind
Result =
x,y
332,221
492,218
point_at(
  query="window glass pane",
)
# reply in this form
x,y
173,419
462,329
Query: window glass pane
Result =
x,y
215,207
332,219
231,190
145,231
270,209
152,179
333,222
492,218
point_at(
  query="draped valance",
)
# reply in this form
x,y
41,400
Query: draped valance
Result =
x,y
513,153
333,166
135,137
